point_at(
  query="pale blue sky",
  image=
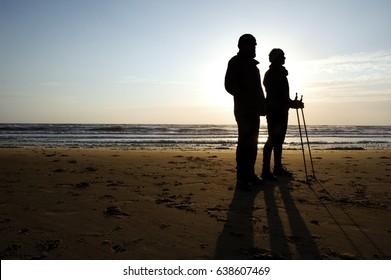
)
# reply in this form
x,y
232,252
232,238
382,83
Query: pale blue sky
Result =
x,y
130,61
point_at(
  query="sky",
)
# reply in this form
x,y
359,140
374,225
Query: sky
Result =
x,y
155,61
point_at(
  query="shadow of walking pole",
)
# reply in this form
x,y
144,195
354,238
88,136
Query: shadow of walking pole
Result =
x,y
350,218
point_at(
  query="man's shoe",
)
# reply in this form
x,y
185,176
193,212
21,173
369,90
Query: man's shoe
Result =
x,y
257,181
267,175
282,171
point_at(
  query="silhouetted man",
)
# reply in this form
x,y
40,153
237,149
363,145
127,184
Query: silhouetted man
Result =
x,y
243,81
278,103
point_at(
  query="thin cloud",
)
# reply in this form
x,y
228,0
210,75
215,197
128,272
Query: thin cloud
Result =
x,y
135,80
177,83
378,63
357,77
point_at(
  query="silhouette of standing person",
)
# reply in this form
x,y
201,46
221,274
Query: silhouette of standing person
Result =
x,y
278,104
243,81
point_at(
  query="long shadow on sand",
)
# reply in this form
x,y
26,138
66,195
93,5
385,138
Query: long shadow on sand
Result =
x,y
286,242
295,241
238,233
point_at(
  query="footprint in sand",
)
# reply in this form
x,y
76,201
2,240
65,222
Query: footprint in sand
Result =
x,y
90,169
82,185
118,248
114,211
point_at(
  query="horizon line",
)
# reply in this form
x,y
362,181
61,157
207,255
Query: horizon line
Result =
x,y
205,124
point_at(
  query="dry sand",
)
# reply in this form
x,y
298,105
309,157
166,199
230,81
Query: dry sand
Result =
x,y
110,204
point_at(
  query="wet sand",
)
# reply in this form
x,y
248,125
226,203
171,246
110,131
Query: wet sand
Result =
x,y
115,204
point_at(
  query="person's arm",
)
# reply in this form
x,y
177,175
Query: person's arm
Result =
x,y
232,78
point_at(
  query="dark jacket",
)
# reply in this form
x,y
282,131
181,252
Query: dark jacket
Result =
x,y
277,90
243,81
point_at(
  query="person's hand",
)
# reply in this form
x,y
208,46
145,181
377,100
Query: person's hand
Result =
x,y
297,104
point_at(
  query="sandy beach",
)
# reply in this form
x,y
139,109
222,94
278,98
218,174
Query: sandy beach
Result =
x,y
117,204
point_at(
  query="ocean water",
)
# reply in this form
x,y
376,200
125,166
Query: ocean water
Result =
x,y
187,137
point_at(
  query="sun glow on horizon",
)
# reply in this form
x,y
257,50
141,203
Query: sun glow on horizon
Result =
x,y
213,84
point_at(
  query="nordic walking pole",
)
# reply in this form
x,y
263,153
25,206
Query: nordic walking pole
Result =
x,y
301,140
308,142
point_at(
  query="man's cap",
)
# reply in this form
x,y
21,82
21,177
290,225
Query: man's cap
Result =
x,y
246,39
